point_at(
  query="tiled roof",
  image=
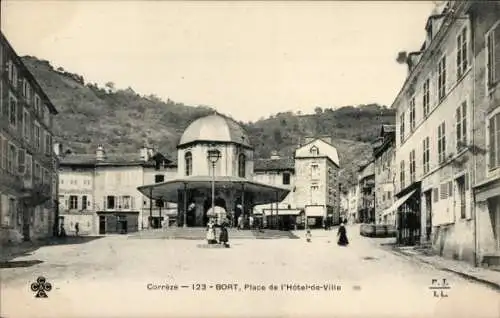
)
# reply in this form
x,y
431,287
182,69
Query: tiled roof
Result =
x,y
109,159
274,164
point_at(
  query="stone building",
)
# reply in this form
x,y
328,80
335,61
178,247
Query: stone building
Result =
x,y
99,191
445,161
384,159
366,199
28,179
484,154
353,195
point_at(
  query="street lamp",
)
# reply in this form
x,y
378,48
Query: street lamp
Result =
x,y
213,156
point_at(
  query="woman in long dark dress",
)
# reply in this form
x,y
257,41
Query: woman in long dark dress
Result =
x,y
224,236
342,234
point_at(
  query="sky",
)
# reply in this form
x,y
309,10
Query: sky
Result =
x,y
246,59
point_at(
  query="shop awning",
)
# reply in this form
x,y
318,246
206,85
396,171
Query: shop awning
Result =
x,y
398,203
168,191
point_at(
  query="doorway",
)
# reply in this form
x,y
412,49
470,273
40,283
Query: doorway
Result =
x,y
428,214
494,211
102,224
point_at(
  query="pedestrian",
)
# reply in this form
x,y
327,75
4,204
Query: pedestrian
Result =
x,y
77,228
63,231
342,234
240,222
308,236
211,233
224,235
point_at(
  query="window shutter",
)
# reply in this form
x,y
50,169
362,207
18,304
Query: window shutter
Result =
x,y
450,188
105,204
492,143
466,182
496,54
444,191
131,202
21,161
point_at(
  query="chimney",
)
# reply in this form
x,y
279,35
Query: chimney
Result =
x,y
274,155
144,152
99,153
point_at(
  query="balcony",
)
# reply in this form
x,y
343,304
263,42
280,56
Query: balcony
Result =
x,y
36,194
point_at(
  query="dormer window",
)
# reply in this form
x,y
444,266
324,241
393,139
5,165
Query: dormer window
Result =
x,y
314,151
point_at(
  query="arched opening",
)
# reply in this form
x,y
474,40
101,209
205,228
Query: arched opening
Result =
x,y
241,165
314,151
188,161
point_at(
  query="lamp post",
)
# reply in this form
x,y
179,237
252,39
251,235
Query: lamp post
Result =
x,y
213,156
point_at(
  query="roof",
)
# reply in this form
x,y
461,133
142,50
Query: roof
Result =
x,y
329,151
214,128
121,159
274,164
26,73
168,190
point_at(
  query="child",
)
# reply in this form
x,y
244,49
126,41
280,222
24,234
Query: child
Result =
x,y
308,236
211,233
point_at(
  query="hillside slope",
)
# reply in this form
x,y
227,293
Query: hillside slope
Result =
x,y
123,120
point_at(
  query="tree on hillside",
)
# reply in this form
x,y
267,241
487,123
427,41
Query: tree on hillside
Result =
x,y
402,56
110,86
318,110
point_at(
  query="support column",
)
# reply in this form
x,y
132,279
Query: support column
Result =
x,y
277,210
243,198
185,206
159,214
150,208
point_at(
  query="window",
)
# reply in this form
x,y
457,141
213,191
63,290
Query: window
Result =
x,y
48,143
426,98
412,114
315,174
12,159
21,161
188,161
37,172
462,53
3,152
38,104
37,136
46,177
494,141
159,178
441,143
402,174
492,56
443,191
13,111
442,78
26,125
461,195
412,166
241,165
402,127
314,151
73,202
426,155
12,70
286,178
110,202
84,202
461,127
29,167
26,91
126,202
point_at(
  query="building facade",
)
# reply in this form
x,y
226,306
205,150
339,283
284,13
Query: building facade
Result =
x,y
384,156
485,138
28,176
366,201
353,205
99,191
443,153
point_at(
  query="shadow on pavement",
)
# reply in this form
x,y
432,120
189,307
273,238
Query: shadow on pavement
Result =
x,y
9,252
15,264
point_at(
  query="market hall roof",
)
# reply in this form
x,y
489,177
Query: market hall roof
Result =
x,y
168,191
279,164
214,128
